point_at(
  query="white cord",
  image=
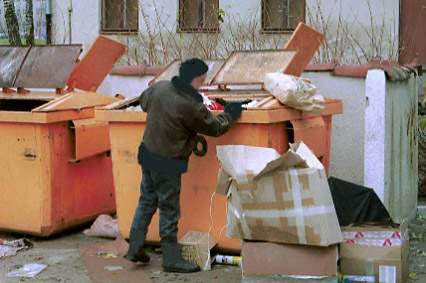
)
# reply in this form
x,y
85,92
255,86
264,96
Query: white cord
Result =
x,y
210,229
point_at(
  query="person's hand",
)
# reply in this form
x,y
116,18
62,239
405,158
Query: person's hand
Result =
x,y
234,109
221,101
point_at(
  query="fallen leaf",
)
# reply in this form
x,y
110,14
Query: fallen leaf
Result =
x,y
412,275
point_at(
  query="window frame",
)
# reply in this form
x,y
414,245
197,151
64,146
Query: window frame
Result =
x,y
277,30
181,29
104,30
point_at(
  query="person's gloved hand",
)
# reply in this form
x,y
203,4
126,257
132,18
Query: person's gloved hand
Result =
x,y
221,101
234,109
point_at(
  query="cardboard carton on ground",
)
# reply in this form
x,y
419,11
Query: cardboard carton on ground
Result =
x,y
264,259
375,253
196,248
284,199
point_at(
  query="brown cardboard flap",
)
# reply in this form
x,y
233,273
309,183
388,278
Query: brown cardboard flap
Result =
x,y
91,137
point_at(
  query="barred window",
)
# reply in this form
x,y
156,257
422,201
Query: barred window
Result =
x,y
198,15
120,15
282,15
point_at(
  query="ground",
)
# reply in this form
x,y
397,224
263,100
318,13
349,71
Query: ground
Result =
x,y
62,254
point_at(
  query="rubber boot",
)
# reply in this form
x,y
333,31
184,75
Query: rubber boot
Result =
x,y
135,255
172,258
141,256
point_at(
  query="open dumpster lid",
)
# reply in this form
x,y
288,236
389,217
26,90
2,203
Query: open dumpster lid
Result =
x,y
10,63
250,67
37,66
173,70
76,101
96,64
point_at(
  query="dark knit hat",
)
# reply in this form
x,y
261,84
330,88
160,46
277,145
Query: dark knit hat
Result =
x,y
192,68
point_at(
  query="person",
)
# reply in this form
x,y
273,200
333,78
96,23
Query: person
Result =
x,y
175,115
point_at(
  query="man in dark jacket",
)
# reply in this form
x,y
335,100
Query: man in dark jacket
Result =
x,y
175,114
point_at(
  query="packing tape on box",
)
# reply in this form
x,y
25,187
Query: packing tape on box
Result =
x,y
348,235
375,242
297,201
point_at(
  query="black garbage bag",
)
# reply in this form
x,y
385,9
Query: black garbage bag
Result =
x,y
356,204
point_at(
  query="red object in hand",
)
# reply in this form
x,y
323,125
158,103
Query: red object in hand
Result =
x,y
216,106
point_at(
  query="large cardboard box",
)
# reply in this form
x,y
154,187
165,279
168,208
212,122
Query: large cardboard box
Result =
x,y
375,253
267,259
284,199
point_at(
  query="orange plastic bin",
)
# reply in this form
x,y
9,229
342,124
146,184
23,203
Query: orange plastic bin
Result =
x,y
52,178
267,128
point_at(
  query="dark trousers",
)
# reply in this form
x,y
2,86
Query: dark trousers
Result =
x,y
157,191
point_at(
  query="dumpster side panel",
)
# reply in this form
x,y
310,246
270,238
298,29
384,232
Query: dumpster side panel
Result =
x,y
23,181
81,190
125,139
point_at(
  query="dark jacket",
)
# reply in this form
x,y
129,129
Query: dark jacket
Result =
x,y
176,113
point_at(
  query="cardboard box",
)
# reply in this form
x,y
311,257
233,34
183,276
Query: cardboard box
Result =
x,y
266,259
375,253
284,199
196,248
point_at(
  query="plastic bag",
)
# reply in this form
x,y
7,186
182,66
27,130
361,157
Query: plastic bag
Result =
x,y
104,226
29,270
295,92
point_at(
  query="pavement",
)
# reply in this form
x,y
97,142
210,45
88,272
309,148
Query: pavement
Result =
x,y
74,257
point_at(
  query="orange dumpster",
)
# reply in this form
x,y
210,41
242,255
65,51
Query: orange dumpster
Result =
x,y
200,209
55,157
51,179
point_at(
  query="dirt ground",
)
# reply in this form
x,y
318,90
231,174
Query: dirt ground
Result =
x,y
62,254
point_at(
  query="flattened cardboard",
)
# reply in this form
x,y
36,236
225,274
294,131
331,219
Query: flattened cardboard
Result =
x,y
377,251
263,258
283,199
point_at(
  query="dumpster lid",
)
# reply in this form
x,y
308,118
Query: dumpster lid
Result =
x,y
250,67
11,61
173,70
96,64
37,66
76,101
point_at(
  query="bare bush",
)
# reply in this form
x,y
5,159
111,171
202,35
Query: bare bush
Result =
x,y
160,42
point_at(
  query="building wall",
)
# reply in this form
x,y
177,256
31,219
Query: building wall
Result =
x,y
161,16
347,143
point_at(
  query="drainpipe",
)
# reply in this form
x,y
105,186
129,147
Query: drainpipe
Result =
x,y
70,22
49,9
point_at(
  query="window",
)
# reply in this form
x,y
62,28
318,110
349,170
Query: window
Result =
x,y
282,15
120,15
198,15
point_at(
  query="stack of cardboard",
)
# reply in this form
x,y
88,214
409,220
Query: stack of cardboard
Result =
x,y
283,203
